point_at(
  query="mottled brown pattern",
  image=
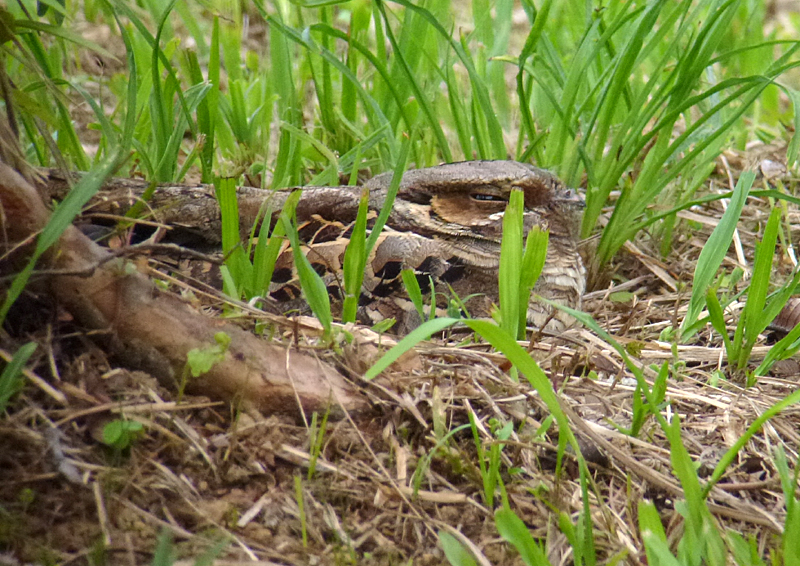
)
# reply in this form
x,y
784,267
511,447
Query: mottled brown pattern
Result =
x,y
446,224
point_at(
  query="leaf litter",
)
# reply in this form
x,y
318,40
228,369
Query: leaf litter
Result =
x,y
385,483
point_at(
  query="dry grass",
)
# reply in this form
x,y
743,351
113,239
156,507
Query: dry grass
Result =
x,y
205,471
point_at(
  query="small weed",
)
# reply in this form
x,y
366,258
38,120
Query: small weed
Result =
x,y
199,361
316,434
120,434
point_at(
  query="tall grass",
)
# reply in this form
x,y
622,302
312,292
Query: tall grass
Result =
x,y
627,97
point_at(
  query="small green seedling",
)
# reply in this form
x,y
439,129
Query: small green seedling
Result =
x,y
199,361
120,434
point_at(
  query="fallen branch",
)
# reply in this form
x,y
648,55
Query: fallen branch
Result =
x,y
152,330
196,207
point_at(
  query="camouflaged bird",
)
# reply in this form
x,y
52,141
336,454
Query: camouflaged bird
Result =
x,y
445,225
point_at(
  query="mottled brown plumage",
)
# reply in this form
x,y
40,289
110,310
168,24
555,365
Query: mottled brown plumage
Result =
x,y
446,225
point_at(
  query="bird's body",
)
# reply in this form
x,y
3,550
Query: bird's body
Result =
x,y
446,225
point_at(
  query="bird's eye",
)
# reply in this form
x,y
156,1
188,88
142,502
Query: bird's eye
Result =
x,y
488,197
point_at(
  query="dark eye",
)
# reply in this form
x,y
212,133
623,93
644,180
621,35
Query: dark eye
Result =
x,y
488,197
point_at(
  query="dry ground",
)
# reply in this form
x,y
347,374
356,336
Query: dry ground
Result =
x,y
206,472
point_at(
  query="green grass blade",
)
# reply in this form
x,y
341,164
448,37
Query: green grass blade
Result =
x,y
320,147
793,150
742,551
422,332
168,163
322,81
141,27
789,483
486,478
164,554
289,106
654,537
532,265
776,301
717,318
10,381
701,536
454,551
266,255
230,41
207,110
413,290
509,278
313,286
715,249
63,33
377,63
160,102
359,26
650,183
355,260
394,186
457,109
786,347
236,258
515,532
531,43
759,284
350,160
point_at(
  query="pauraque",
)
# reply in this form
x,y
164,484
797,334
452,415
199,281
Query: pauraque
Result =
x,y
445,225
